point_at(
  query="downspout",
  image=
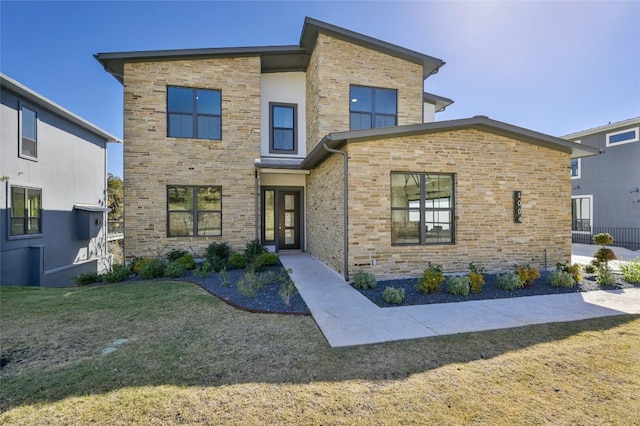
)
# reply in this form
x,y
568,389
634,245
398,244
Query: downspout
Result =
x,y
257,202
345,206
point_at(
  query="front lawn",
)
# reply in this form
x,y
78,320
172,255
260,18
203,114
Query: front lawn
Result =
x,y
190,358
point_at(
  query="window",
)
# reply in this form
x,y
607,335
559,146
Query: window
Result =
x,y
282,133
194,211
28,132
575,168
372,107
26,211
623,136
269,216
194,113
581,213
422,208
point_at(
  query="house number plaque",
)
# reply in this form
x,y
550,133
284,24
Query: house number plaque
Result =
x,y
517,206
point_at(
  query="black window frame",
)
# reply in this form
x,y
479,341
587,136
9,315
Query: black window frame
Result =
x,y
194,211
272,128
423,236
194,112
25,218
22,136
372,113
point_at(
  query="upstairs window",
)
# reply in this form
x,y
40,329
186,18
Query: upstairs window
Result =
x,y
623,136
282,133
194,113
26,209
194,211
372,107
28,132
575,168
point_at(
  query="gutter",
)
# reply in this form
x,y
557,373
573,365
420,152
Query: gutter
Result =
x,y
345,206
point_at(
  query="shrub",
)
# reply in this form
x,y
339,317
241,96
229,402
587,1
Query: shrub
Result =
x,y
253,249
174,269
431,280
603,239
187,261
238,261
604,255
393,295
224,275
364,280
287,287
118,273
562,279
153,268
574,270
476,278
509,281
590,269
218,250
249,284
527,274
605,276
86,278
138,263
458,285
176,254
631,271
266,259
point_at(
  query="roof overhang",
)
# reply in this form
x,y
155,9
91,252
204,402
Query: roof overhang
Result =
x,y
440,102
479,122
91,208
606,128
37,99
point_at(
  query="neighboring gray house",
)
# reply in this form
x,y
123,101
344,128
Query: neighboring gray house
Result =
x,y
52,191
606,188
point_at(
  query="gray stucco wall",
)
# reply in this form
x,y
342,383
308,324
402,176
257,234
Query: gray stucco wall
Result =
x,y
612,179
70,170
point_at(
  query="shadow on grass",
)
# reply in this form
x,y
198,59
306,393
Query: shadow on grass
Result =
x,y
180,335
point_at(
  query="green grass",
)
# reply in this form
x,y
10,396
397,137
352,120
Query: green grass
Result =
x,y
191,358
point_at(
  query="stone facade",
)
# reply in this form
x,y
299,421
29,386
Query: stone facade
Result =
x,y
335,65
152,160
487,169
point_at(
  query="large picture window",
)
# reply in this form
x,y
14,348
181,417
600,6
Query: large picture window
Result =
x,y
194,211
28,132
282,128
194,113
26,211
422,208
372,107
581,217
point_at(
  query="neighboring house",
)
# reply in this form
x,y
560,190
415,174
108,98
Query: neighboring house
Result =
x,y
53,191
323,147
605,189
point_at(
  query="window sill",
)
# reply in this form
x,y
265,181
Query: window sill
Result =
x,y
24,237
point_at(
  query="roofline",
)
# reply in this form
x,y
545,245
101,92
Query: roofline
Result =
x,y
605,128
312,27
479,122
440,102
40,100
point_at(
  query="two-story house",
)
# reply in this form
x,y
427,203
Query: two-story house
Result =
x,y
605,194
329,146
53,191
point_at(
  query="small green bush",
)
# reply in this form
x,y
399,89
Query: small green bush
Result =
x,y
631,271
174,269
266,259
249,284
224,275
218,250
287,287
458,285
562,279
176,254
476,278
604,255
527,274
153,268
238,261
364,280
253,249
590,269
509,281
603,239
431,280
393,295
138,263
186,261
605,276
87,278
118,273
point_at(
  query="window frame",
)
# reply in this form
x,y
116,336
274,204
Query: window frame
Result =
x,y
194,113
608,142
194,210
372,112
26,218
21,136
590,198
272,149
578,166
423,210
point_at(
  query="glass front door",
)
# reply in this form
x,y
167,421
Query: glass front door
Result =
x,y
282,218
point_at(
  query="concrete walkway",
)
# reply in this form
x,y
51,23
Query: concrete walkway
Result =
x,y
347,318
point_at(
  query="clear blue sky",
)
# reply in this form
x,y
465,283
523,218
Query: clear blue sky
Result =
x,y
553,67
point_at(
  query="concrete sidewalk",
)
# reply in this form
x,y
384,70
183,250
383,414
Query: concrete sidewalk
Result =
x,y
347,318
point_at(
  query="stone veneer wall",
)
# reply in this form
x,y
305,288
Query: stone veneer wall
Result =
x,y
487,168
152,160
324,212
335,65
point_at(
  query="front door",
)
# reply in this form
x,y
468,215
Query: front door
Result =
x,y
288,207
